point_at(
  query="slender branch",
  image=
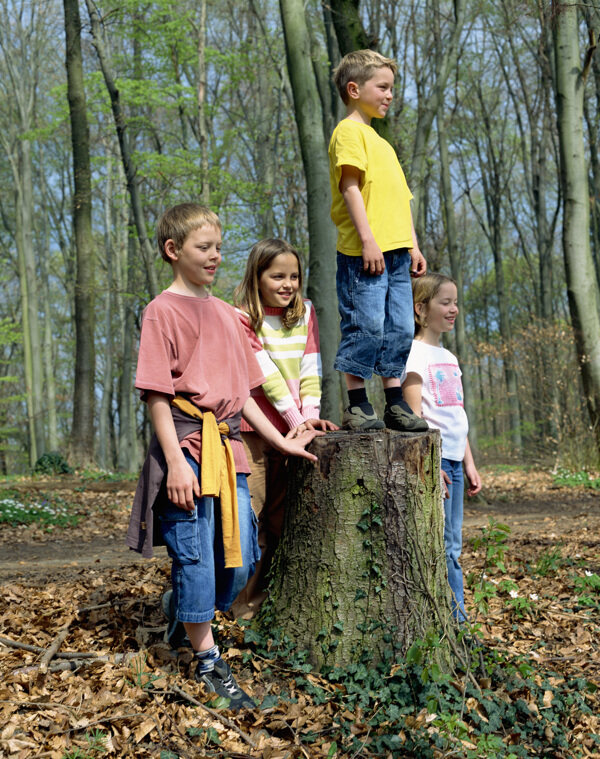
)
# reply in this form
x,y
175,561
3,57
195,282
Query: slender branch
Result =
x,y
213,713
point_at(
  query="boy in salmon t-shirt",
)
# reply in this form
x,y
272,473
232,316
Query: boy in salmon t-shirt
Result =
x,y
195,371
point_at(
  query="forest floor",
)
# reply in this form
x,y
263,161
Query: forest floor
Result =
x,y
81,583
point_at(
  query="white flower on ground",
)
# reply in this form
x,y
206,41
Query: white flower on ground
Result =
x,y
588,573
514,594
533,596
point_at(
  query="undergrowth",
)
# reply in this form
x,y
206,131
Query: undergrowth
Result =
x,y
409,706
48,510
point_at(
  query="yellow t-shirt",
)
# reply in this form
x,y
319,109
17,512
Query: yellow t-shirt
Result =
x,y
383,187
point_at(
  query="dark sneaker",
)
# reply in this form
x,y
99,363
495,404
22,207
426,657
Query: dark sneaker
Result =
x,y
175,635
401,417
354,418
220,681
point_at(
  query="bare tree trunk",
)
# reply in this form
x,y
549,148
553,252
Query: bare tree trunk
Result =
x,y
104,453
322,237
202,121
457,274
582,285
82,431
148,253
446,55
48,357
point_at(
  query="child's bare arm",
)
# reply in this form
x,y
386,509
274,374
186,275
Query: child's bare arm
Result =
x,y
418,263
182,484
471,472
412,390
373,260
288,446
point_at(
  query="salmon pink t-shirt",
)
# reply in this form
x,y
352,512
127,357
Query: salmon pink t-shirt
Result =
x,y
197,347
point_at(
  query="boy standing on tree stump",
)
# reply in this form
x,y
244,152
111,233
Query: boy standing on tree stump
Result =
x,y
195,371
377,246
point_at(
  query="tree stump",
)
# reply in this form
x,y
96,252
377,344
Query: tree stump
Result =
x,y
361,556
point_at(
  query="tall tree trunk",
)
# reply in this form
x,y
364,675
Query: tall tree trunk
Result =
x,y
104,437
148,253
457,274
82,431
48,357
127,459
202,120
322,236
582,285
446,55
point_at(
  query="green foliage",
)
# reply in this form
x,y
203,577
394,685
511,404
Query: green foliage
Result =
x,y
588,588
46,510
576,479
209,734
96,747
410,706
52,463
549,562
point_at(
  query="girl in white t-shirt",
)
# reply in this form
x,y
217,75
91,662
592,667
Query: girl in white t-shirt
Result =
x,y
433,389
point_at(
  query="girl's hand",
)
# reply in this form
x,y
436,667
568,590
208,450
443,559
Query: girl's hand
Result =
x,y
296,431
445,483
474,480
320,424
295,446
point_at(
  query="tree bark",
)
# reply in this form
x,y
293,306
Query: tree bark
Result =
x,y
82,431
362,554
148,253
322,236
457,273
582,285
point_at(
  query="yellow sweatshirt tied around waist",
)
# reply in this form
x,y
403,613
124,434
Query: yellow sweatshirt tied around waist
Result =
x,y
218,476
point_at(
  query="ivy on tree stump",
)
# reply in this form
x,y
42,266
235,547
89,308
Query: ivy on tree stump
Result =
x,y
361,562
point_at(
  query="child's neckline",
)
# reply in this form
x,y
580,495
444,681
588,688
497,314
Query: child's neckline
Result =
x,y
273,310
426,342
208,296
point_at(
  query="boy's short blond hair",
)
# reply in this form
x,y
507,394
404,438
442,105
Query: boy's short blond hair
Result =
x,y
176,223
359,66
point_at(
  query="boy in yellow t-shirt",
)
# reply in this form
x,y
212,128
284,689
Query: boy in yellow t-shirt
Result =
x,y
377,246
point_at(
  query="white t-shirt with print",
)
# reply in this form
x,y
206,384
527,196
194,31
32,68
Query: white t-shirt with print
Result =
x,y
442,400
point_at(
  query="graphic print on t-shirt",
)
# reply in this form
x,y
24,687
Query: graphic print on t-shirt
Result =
x,y
445,384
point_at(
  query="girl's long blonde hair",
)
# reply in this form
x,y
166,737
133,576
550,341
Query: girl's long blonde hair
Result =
x,y
247,293
424,289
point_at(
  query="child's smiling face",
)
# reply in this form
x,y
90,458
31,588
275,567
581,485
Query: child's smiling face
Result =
x,y
372,99
196,263
280,282
442,309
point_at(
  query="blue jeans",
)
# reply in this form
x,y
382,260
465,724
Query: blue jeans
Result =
x,y
376,312
195,544
453,510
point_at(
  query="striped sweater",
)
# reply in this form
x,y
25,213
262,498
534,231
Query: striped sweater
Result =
x,y
291,363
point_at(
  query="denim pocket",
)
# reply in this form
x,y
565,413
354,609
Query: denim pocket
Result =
x,y
180,533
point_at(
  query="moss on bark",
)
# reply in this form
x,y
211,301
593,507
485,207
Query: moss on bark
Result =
x,y
362,551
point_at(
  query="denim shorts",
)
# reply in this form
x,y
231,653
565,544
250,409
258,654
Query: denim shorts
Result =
x,y
376,312
194,542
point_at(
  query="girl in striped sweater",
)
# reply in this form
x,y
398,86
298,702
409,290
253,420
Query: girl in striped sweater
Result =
x,y
282,329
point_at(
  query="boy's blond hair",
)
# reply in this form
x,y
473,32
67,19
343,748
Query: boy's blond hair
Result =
x,y
176,223
359,66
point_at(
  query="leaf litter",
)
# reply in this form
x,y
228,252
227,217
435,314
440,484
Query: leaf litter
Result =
x,y
139,697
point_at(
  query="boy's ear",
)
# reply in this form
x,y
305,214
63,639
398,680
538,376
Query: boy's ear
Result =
x,y
353,90
171,249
